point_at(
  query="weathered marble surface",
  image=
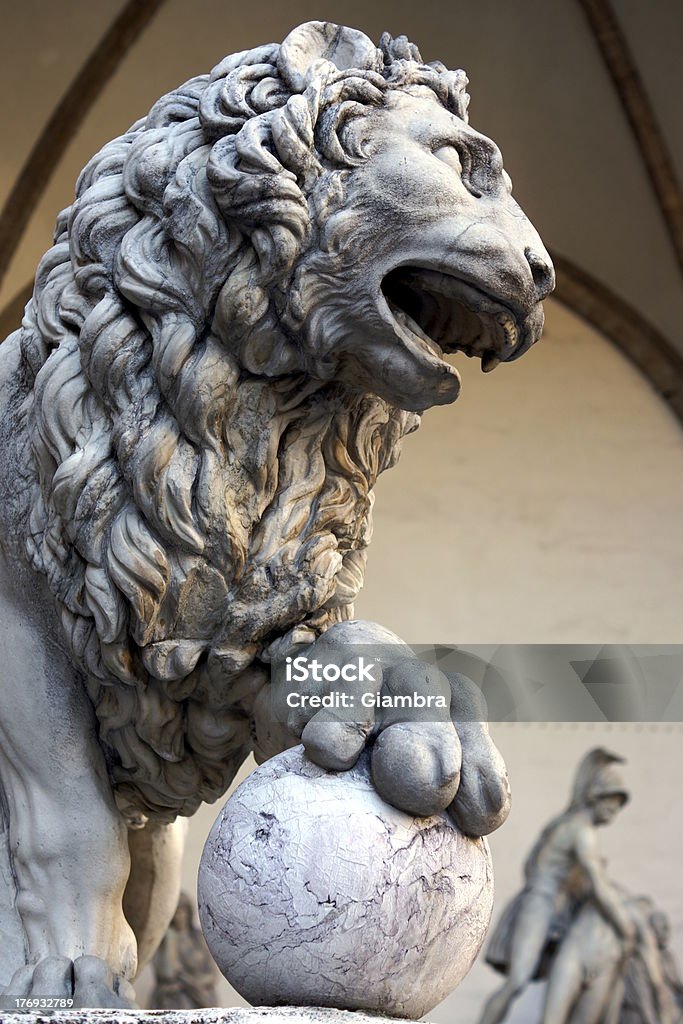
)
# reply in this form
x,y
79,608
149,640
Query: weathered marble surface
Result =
x,y
236,1015
314,890
246,309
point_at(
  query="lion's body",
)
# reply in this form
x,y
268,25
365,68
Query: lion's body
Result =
x,y
180,527
207,383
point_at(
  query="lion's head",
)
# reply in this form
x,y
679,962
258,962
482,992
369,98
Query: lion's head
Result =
x,y
393,237
245,306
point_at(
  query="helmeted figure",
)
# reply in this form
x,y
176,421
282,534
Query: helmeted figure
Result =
x,y
563,869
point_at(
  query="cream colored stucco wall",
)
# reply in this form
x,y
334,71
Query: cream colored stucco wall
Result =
x,y
544,506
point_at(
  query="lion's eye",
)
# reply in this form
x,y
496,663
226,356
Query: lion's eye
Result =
x,y
460,160
449,155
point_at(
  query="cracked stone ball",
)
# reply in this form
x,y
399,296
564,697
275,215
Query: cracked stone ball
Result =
x,y
315,892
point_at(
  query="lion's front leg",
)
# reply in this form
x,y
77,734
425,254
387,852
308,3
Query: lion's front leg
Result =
x,y
153,889
68,844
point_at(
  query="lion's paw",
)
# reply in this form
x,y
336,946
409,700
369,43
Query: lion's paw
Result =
x,y
425,756
88,981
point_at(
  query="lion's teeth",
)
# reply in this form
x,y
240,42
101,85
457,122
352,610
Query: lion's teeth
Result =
x,y
509,329
489,361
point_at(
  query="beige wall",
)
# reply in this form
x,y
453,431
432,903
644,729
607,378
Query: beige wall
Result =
x,y
543,507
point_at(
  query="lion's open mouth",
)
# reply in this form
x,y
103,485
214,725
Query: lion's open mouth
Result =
x,y
449,315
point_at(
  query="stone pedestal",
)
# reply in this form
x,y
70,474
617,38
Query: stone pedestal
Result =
x,y
235,1015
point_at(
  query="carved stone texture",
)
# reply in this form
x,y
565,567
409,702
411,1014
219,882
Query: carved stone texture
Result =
x,y
246,308
312,890
236,1015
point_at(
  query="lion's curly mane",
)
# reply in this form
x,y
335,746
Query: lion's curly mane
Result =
x,y
195,483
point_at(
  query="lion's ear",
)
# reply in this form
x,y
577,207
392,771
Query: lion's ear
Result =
x,y
319,42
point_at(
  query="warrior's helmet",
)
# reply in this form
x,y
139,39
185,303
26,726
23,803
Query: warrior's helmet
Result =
x,y
597,776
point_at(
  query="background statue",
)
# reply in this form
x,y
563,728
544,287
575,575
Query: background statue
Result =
x,y
184,971
638,1000
563,868
246,308
599,977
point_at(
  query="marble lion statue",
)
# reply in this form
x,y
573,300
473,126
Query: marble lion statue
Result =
x,y
245,309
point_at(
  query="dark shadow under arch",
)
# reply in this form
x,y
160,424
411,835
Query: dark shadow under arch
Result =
x,y
640,114
65,121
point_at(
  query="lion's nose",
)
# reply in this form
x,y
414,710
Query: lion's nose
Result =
x,y
542,272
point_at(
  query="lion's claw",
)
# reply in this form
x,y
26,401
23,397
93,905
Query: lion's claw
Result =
x,y
333,742
482,802
95,984
416,766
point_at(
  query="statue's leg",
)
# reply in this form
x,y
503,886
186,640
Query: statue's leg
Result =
x,y
614,1001
594,1004
12,939
153,888
565,986
526,946
68,844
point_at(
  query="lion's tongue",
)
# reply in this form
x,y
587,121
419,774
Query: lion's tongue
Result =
x,y
489,361
439,323
414,328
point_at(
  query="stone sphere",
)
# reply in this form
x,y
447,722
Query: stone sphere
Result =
x,y
315,892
